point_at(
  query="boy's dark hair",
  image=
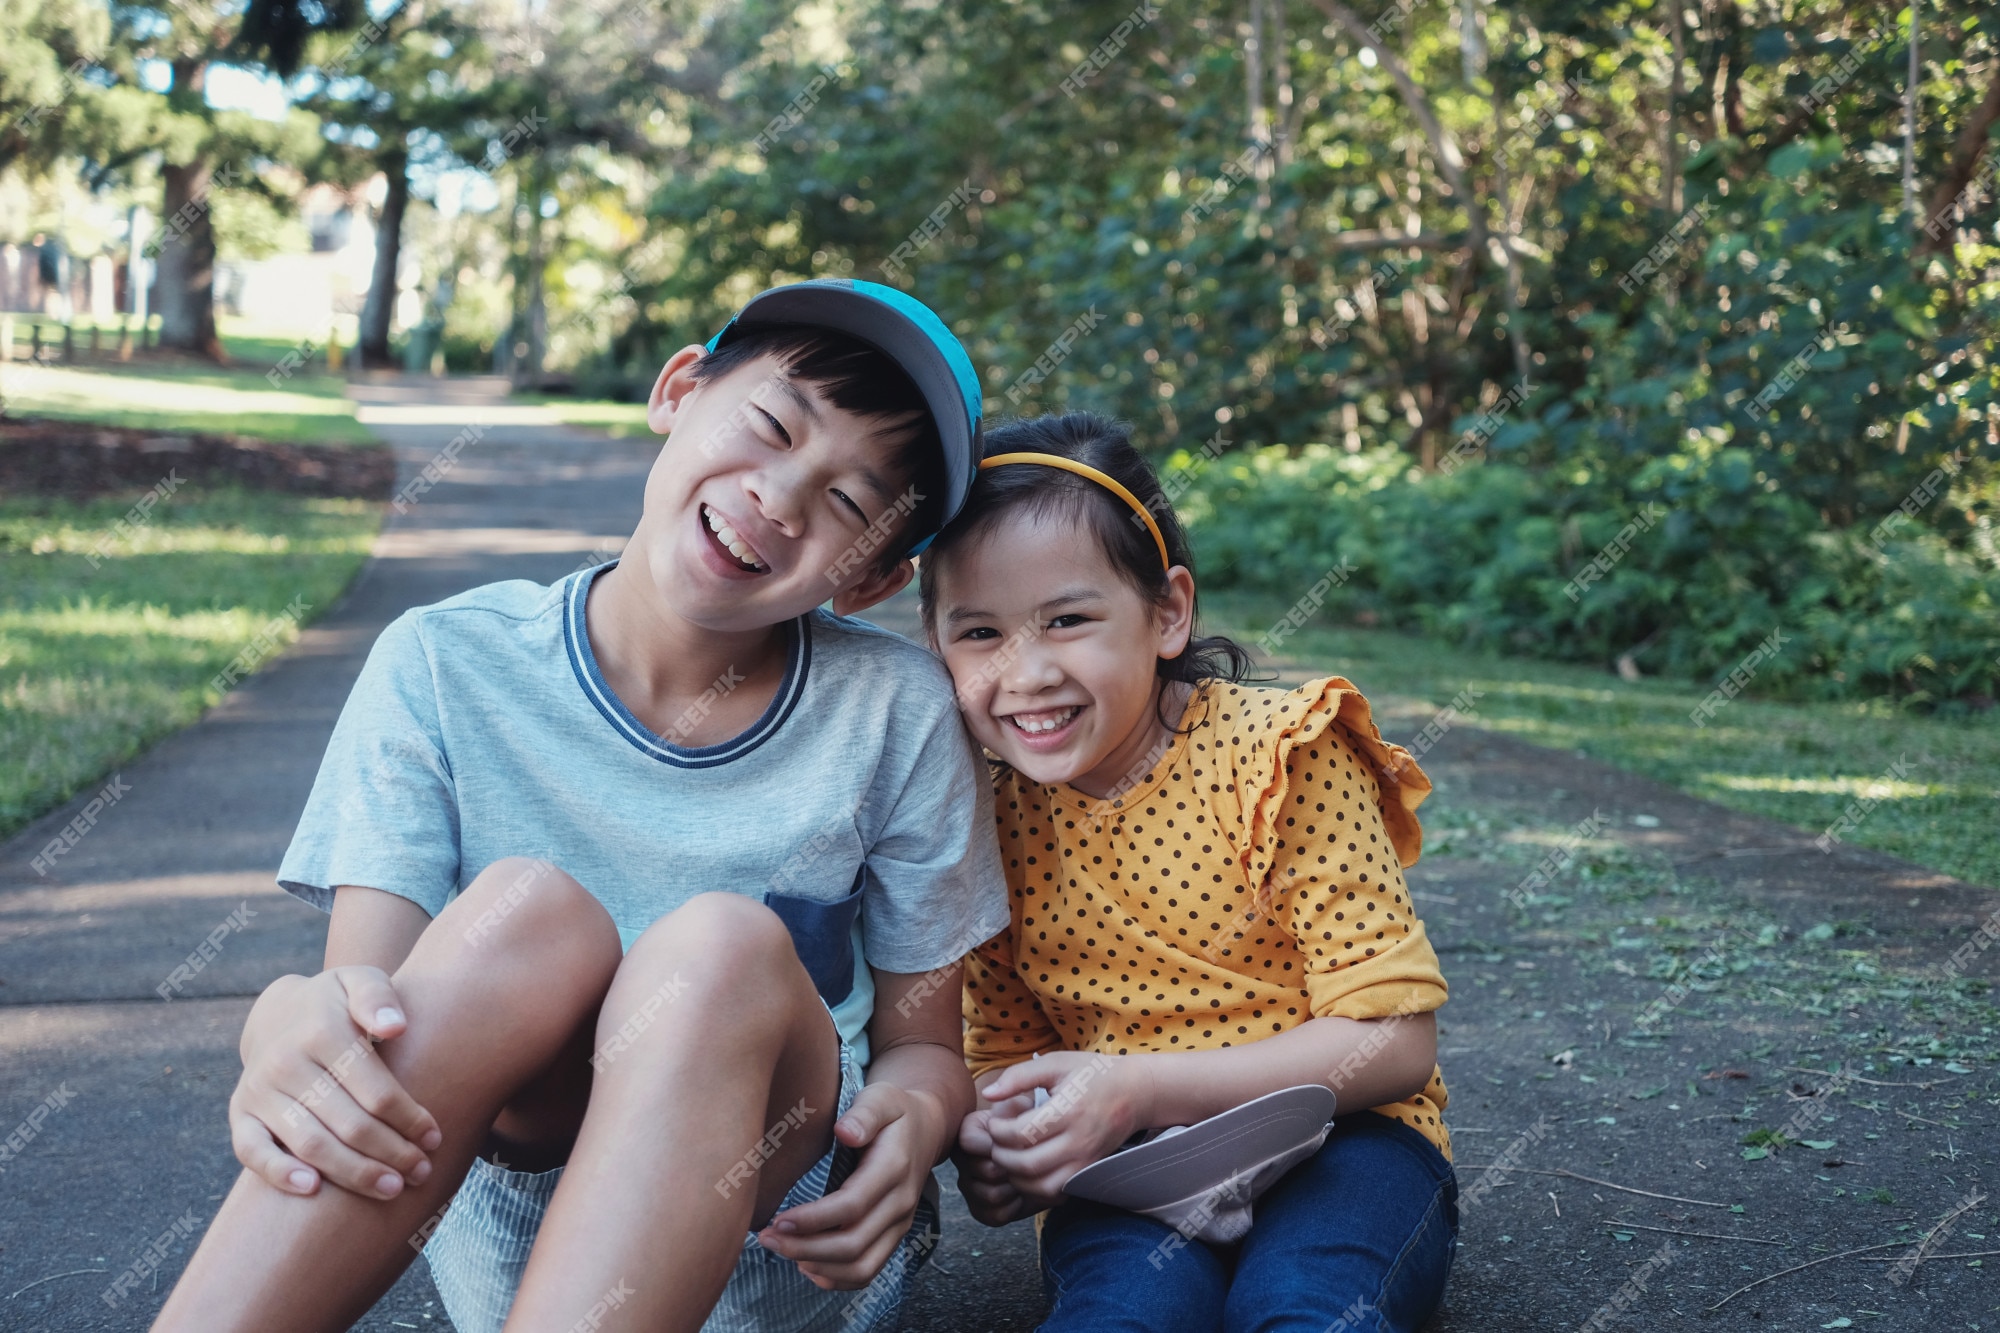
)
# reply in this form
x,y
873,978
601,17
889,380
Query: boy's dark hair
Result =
x,y
1107,446
859,378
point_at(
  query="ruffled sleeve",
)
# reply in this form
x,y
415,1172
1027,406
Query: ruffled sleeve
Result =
x,y
1325,824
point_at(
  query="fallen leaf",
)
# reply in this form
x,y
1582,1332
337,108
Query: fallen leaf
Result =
x,y
1755,1154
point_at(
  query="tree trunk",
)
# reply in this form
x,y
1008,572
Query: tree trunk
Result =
x,y
1284,110
1972,140
534,306
1910,123
186,262
380,309
1257,120
1676,90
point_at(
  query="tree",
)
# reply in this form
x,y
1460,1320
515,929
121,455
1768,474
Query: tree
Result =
x,y
205,150
401,89
48,54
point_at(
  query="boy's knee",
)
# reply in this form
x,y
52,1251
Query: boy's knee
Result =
x,y
719,943
522,903
728,926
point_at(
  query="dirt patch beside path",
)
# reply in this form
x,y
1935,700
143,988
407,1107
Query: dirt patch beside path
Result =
x,y
78,460
1767,1046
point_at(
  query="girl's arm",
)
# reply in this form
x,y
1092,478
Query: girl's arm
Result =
x,y
1003,1022
1096,1102
1332,866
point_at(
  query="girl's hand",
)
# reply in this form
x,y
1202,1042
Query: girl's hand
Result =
x,y
1095,1103
841,1241
989,1193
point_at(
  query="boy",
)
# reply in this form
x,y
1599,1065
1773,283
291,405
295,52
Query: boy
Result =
x,y
626,876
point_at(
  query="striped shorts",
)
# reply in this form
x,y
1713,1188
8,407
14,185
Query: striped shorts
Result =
x,y
480,1250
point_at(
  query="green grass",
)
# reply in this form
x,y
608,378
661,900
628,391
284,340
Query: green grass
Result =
x,y
1799,764
154,392
97,663
618,420
305,409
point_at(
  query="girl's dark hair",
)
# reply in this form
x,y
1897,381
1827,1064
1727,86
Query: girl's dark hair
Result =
x,y
1106,445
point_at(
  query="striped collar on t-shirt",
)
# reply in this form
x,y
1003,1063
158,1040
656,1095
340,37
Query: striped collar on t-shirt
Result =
x,y
576,638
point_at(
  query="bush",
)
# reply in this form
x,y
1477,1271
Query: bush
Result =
x,y
1712,563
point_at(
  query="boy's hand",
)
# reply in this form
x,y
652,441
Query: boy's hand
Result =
x,y
840,1242
313,1084
989,1192
1095,1103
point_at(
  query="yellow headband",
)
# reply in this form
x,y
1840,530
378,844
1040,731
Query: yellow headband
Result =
x,y
1085,470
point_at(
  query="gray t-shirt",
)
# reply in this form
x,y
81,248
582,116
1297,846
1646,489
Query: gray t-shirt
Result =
x,y
481,728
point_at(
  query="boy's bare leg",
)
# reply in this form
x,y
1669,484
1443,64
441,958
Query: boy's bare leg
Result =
x,y
668,1174
489,1010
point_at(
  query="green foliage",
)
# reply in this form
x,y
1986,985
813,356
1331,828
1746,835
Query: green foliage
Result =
x,y
1272,294
1389,257
1486,558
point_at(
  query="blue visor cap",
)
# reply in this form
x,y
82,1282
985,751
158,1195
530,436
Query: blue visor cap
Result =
x,y
909,333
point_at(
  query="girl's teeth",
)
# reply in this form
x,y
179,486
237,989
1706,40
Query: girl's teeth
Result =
x,y
1053,723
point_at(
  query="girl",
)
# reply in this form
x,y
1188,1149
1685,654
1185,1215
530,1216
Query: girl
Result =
x,y
1207,905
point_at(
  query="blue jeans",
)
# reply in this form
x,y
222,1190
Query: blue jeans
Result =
x,y
1356,1239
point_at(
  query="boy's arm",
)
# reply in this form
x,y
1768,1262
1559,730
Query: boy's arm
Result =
x,y
904,1122
314,1100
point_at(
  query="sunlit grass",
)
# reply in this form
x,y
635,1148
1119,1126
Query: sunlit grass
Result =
x,y
618,420
1801,764
305,408
98,662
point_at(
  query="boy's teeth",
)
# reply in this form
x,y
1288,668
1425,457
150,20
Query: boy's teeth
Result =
x,y
727,536
1046,722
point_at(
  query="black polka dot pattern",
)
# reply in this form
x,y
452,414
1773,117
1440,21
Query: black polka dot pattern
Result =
x,y
1253,879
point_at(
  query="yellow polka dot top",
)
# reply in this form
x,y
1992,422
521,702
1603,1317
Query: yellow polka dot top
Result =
x,y
1251,880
